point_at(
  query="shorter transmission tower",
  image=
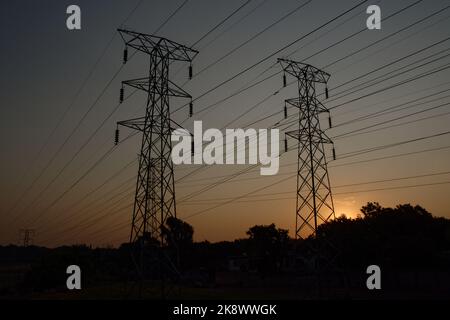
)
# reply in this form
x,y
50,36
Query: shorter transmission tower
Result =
x,y
314,197
26,236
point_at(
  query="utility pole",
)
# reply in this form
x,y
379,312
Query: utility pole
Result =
x,y
26,236
314,198
155,187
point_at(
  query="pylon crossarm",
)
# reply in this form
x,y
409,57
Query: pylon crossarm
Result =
x,y
176,91
303,70
144,85
139,125
136,123
149,44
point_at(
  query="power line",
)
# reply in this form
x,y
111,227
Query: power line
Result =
x,y
394,188
388,36
400,83
237,199
271,76
104,122
234,199
387,157
86,114
343,40
224,20
171,16
206,188
331,166
385,111
91,192
391,120
378,41
391,109
440,115
189,174
259,5
86,143
92,220
357,14
69,107
394,62
338,193
390,156
375,159
270,56
76,153
73,185
365,29
232,176
396,144
284,17
221,22
121,225
397,43
372,149
217,26
214,185
371,82
334,187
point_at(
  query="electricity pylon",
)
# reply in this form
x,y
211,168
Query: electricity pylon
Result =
x,y
314,198
155,188
26,236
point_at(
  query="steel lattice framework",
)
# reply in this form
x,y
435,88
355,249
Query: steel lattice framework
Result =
x,y
155,188
314,198
26,236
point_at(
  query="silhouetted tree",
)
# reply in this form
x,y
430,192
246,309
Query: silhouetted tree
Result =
x,y
401,240
179,236
178,232
402,237
371,209
268,244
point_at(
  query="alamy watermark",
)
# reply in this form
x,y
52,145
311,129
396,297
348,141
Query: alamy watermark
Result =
x,y
73,21
74,280
239,146
373,22
373,282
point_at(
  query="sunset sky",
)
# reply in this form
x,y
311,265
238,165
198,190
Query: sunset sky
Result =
x,y
67,199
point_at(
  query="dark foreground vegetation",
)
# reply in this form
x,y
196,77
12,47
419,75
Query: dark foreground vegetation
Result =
x,y
411,247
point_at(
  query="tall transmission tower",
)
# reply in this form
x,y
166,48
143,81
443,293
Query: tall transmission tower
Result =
x,y
154,199
314,198
26,236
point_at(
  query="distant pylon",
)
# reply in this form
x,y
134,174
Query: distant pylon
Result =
x,y
26,236
314,198
155,188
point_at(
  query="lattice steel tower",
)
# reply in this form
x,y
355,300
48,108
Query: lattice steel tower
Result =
x,y
26,236
155,188
314,197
